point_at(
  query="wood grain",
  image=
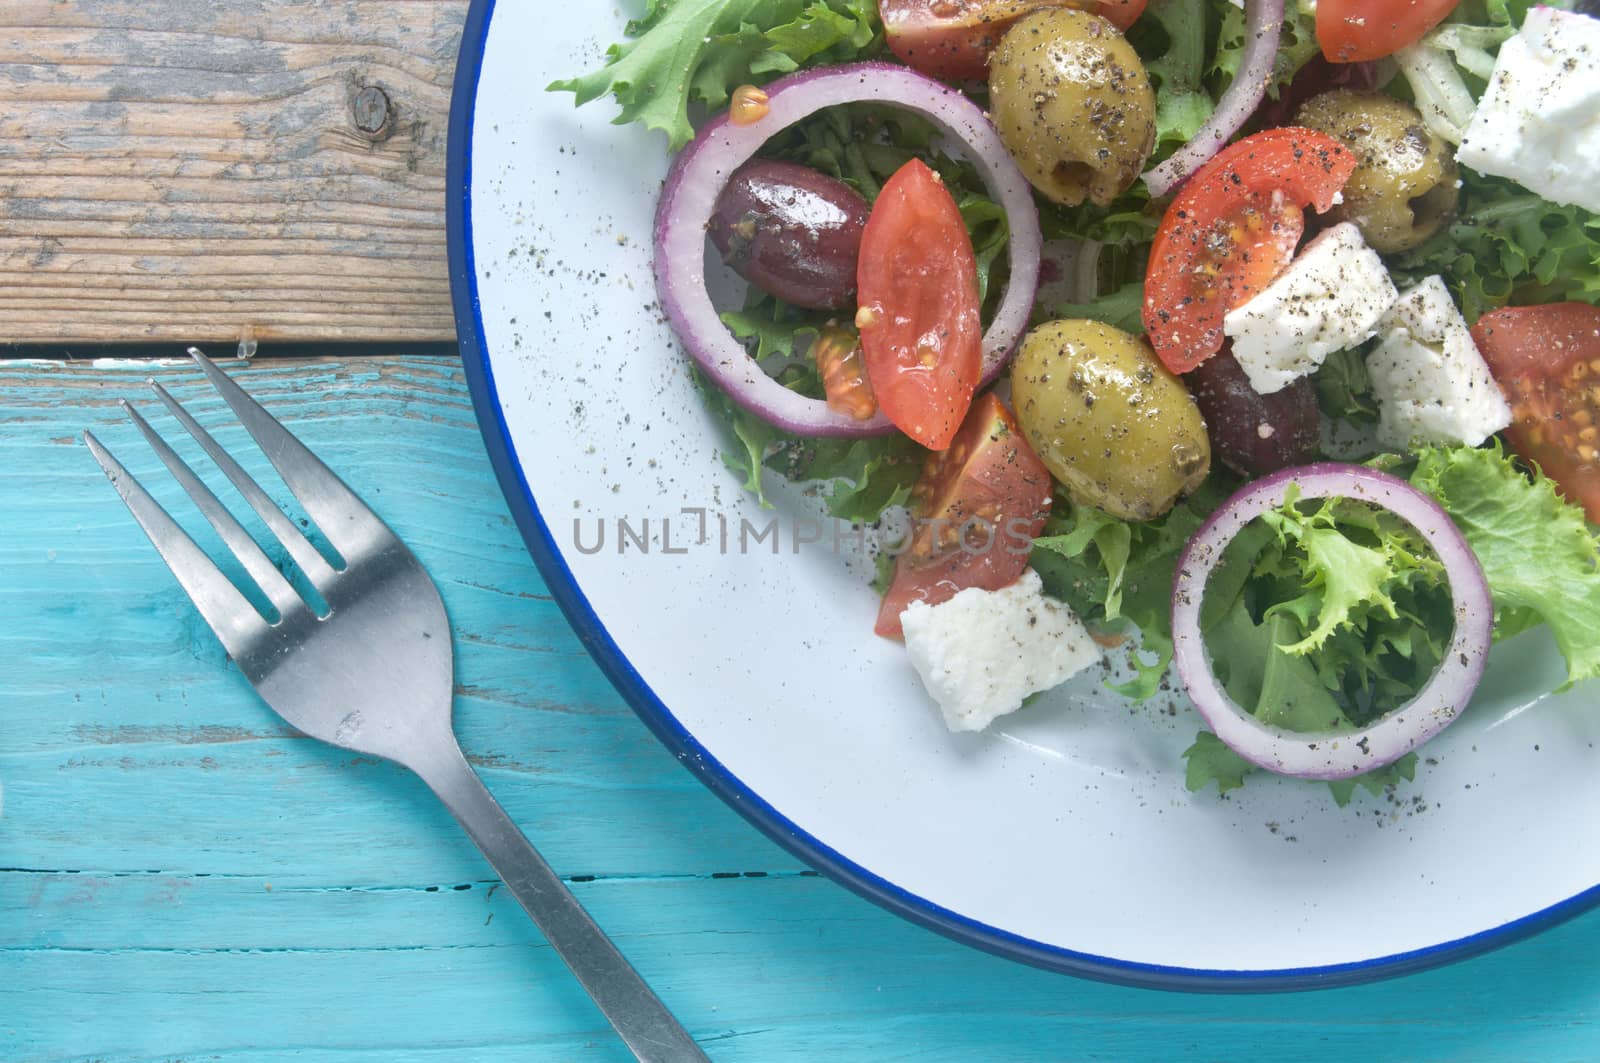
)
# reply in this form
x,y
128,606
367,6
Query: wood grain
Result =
x,y
183,879
189,170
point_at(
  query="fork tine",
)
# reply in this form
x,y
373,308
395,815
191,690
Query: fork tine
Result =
x,y
313,564
223,607
339,512
283,597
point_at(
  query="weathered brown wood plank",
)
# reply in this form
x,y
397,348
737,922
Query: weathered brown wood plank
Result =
x,y
191,169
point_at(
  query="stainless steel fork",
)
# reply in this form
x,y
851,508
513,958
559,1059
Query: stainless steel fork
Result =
x,y
374,674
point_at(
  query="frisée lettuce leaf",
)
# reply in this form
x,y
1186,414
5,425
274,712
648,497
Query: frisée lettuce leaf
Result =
x,y
1344,390
1508,245
1209,761
1175,59
1278,688
1541,558
699,51
859,478
1321,617
1327,615
1117,575
1296,45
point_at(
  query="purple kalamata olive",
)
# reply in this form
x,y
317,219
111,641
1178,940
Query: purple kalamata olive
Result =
x,y
1251,433
792,232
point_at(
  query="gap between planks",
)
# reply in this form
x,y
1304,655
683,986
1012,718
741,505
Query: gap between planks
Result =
x,y
597,879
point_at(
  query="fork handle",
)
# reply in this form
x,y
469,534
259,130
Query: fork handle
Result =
x,y
643,1022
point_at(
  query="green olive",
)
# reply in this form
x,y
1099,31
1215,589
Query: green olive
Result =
x,y
1405,188
1073,104
1109,421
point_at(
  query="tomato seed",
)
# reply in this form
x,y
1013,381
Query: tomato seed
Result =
x,y
749,105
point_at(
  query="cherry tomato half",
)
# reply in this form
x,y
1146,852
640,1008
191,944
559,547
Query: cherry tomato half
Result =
x,y
1547,361
917,292
952,39
977,507
1354,31
1229,233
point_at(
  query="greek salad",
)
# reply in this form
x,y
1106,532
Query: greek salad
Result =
x,y
1262,338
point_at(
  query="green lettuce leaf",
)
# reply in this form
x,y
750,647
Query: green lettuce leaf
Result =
x,y
699,51
1123,309
1210,761
1296,45
1508,245
1178,71
1344,390
1272,592
747,439
990,232
864,144
1377,782
859,478
780,337
1351,561
1354,584
1351,583
1127,226
1541,558
1272,684
1496,14
864,477
1117,576
774,330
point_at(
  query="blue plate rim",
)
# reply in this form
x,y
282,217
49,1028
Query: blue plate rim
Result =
x,y
732,790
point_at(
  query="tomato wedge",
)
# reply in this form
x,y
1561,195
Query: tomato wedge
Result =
x,y
1229,233
1547,361
1121,13
976,508
1355,31
917,292
952,39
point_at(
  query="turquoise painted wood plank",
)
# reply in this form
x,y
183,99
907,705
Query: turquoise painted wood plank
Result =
x,y
188,880
117,693
775,968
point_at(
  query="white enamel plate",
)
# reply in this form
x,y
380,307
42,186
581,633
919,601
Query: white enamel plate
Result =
x,y
1064,837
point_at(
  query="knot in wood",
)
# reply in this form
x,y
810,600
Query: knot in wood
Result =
x,y
373,112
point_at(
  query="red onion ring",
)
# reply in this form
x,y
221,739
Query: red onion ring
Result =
x,y
1263,27
1341,755
702,170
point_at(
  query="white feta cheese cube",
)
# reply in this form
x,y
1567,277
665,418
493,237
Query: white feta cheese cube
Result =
x,y
1331,297
1539,121
1431,383
982,652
